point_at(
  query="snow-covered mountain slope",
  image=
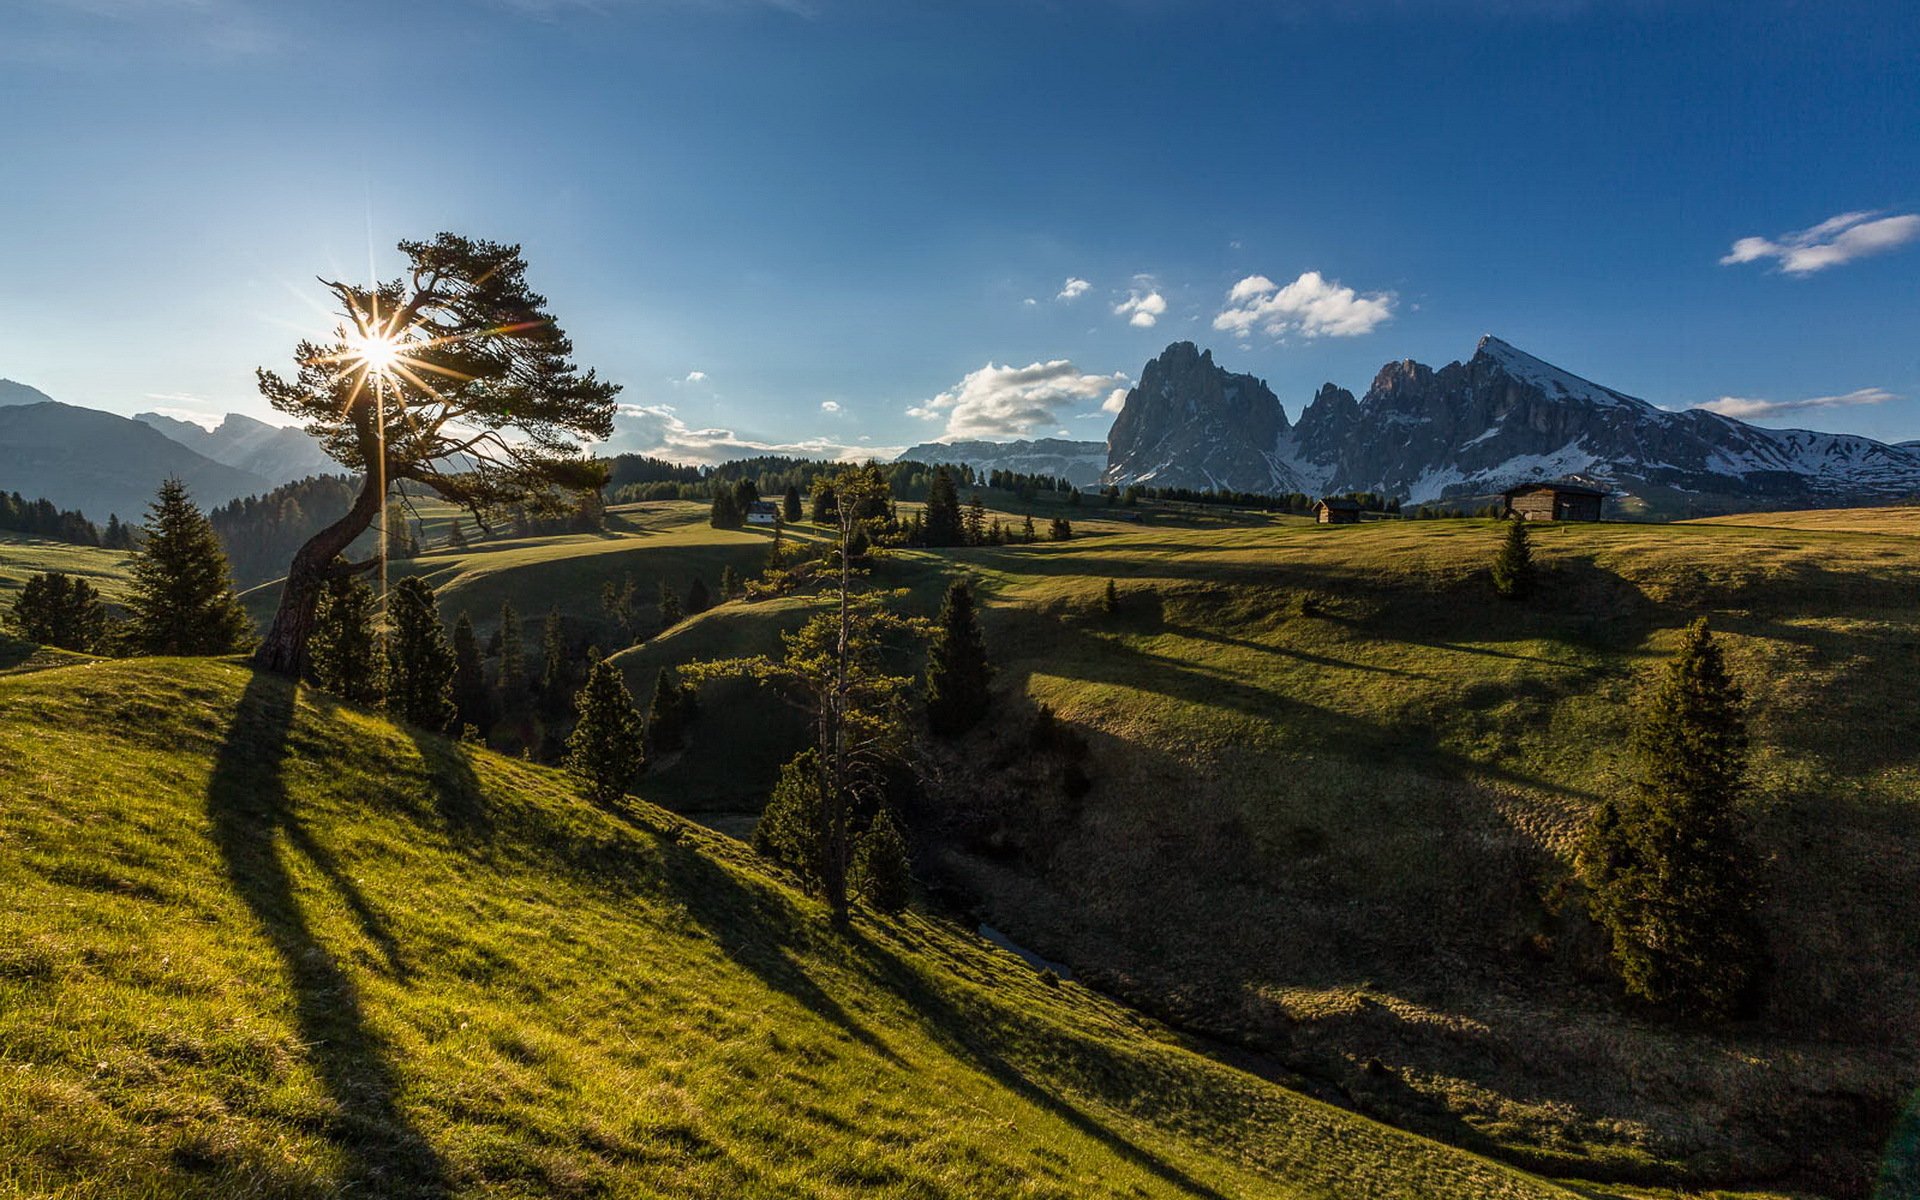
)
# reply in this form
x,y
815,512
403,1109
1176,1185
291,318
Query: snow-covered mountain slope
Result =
x,y
1080,463
1473,428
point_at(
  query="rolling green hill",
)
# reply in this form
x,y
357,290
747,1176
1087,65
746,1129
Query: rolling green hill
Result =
x,y
258,944
22,556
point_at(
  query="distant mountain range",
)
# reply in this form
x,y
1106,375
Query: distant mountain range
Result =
x,y
101,463
1080,463
1471,429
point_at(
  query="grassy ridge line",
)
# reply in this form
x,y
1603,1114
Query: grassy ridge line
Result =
x,y
260,944
21,556
1895,519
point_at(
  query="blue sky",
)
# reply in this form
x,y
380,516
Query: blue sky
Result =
x,y
818,223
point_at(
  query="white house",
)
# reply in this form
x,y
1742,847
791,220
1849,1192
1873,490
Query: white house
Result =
x,y
763,512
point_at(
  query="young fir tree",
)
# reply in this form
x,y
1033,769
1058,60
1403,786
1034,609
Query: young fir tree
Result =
x,y
1666,865
669,713
669,605
826,507
56,609
344,649
419,660
182,600
473,704
882,870
513,653
974,521
607,747
698,601
556,674
745,495
1110,601
620,600
1061,530
1513,569
729,583
793,828
957,668
790,506
943,523
725,512
1027,533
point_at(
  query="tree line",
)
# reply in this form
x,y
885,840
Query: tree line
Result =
x,y
43,519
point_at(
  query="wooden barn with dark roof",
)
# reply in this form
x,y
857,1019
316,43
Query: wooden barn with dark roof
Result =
x,y
1554,500
1337,510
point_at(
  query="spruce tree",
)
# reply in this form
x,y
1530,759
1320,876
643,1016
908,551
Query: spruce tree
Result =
x,y
790,506
607,747
1666,864
556,674
1513,569
669,606
698,601
882,871
729,583
1027,533
974,521
56,609
957,668
344,649
1061,530
513,654
943,525
1110,602
472,703
669,713
793,828
744,497
826,508
725,513
182,600
419,660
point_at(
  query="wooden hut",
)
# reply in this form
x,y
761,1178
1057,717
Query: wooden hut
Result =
x,y
1554,501
1337,510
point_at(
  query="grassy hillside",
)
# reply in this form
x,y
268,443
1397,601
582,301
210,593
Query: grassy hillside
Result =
x,y
22,556
254,943
1892,519
1335,787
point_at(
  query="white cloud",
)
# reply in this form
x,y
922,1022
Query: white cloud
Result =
x,y
998,402
695,377
830,406
1834,241
1115,401
1074,288
1141,308
657,429
1311,306
1747,409
1029,302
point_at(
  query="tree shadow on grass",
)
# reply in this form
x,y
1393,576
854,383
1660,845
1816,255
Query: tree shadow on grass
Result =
x,y
250,809
458,798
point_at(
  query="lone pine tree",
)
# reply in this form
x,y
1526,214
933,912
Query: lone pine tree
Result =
x,y
182,600
669,713
607,746
943,522
419,661
57,609
1666,864
1513,568
454,378
793,828
957,668
790,504
473,704
513,652
344,652
882,871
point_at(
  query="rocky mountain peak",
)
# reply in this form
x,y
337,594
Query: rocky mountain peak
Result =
x,y
1192,423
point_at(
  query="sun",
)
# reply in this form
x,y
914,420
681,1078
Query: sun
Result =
x,y
378,353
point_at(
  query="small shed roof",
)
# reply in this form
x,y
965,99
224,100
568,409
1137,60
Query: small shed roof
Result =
x,y
1557,485
1341,502
763,506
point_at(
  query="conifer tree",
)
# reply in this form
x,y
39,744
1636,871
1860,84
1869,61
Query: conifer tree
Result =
x,y
1110,602
974,521
943,522
61,610
1061,529
669,713
725,513
620,600
556,674
513,654
1513,569
729,583
957,668
1027,532
882,871
1666,864
456,538
698,601
344,650
471,701
419,660
182,600
826,508
745,494
669,604
607,746
790,507
793,829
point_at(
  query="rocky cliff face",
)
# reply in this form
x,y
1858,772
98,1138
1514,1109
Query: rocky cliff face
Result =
x,y
1473,428
1191,423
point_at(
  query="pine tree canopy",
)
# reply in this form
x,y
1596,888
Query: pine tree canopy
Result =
x,y
958,673
182,600
419,661
607,746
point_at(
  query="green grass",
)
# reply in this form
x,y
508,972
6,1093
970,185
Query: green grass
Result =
x,y
258,944
22,556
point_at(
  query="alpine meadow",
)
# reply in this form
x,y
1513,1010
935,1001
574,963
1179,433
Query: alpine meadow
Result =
x,y
827,600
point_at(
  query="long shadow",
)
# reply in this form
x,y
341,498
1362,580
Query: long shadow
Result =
x,y
250,809
961,1033
457,795
1319,660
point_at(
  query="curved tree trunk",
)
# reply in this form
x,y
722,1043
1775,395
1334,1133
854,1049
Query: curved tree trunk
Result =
x,y
284,649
